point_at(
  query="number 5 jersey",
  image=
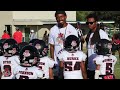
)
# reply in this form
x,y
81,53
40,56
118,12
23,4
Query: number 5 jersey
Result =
x,y
107,64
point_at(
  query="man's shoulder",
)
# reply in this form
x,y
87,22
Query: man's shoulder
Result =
x,y
54,27
102,31
70,25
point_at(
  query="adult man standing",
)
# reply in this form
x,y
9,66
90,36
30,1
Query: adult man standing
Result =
x,y
94,35
18,35
45,37
57,35
5,35
32,35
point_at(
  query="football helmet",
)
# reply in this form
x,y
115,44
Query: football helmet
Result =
x,y
41,47
71,43
103,47
1,46
22,44
8,45
1,49
15,49
32,41
29,56
2,40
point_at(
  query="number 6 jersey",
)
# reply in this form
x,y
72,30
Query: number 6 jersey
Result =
x,y
72,64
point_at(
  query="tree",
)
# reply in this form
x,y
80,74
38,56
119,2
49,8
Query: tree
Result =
x,y
81,15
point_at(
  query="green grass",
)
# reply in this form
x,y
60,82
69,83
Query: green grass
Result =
x,y
117,67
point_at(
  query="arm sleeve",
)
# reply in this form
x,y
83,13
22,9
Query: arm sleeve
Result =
x,y
98,60
75,32
15,71
0,61
104,35
51,39
39,73
114,58
35,36
60,55
51,63
14,36
17,60
84,56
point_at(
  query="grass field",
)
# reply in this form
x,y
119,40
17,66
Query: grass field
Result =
x,y
117,67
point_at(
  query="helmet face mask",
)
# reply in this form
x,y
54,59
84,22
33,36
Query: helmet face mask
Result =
x,y
38,46
9,45
29,56
103,47
26,53
41,47
71,43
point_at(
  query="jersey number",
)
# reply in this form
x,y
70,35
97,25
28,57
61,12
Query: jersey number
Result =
x,y
108,68
7,71
68,66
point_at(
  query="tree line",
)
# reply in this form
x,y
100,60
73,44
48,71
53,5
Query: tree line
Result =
x,y
102,15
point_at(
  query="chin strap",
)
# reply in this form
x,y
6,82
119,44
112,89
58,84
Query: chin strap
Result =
x,y
97,73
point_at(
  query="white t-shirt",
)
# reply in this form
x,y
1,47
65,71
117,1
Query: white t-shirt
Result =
x,y
27,72
32,36
57,35
103,35
106,63
7,65
72,64
46,63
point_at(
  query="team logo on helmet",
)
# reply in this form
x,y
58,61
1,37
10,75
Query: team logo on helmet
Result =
x,y
74,43
26,53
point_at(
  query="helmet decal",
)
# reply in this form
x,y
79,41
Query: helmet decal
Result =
x,y
26,53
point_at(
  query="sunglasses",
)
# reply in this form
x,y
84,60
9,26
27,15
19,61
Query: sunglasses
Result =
x,y
89,23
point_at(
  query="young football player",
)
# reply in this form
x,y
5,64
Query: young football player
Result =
x,y
72,60
9,60
1,46
29,57
105,61
46,63
32,41
22,44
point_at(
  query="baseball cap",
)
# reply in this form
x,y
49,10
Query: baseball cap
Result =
x,y
17,28
32,31
60,12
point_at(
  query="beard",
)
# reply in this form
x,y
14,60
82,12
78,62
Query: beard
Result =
x,y
60,25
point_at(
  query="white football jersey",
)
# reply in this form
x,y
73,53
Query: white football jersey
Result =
x,y
27,72
46,63
7,65
72,64
106,63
